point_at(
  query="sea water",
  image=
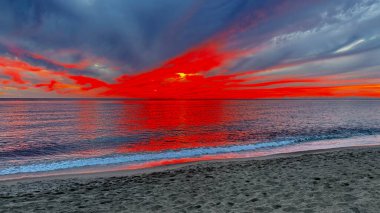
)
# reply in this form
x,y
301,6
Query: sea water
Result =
x,y
58,135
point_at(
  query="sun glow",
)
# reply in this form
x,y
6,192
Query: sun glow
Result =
x,y
183,76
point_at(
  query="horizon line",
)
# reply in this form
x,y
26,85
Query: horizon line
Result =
x,y
186,99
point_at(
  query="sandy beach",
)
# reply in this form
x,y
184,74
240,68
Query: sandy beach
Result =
x,y
333,181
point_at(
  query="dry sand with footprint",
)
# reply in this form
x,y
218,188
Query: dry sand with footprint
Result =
x,y
336,181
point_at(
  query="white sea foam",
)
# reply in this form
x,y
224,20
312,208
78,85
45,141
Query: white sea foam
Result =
x,y
117,159
291,145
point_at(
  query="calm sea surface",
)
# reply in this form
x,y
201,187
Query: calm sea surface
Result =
x,y
61,135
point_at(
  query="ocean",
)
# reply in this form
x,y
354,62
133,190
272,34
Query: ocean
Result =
x,y
64,136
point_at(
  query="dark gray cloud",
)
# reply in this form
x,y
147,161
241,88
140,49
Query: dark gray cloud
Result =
x,y
318,32
133,34
138,35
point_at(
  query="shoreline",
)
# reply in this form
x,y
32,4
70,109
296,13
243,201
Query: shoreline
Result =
x,y
340,180
147,171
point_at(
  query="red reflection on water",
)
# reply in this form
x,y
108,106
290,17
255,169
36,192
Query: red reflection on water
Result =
x,y
15,120
182,141
366,141
180,123
88,119
156,114
167,162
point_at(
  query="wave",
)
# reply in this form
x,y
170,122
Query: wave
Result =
x,y
173,154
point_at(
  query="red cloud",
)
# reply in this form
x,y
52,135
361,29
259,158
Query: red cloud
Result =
x,y
89,83
49,86
197,74
15,76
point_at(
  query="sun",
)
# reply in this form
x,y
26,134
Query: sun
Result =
x,y
182,76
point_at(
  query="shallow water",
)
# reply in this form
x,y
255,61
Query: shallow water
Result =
x,y
49,135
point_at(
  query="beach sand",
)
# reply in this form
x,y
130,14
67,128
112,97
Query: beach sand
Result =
x,y
334,181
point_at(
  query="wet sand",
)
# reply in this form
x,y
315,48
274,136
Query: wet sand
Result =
x,y
334,181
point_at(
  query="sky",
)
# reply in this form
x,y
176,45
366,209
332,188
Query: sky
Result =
x,y
190,49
